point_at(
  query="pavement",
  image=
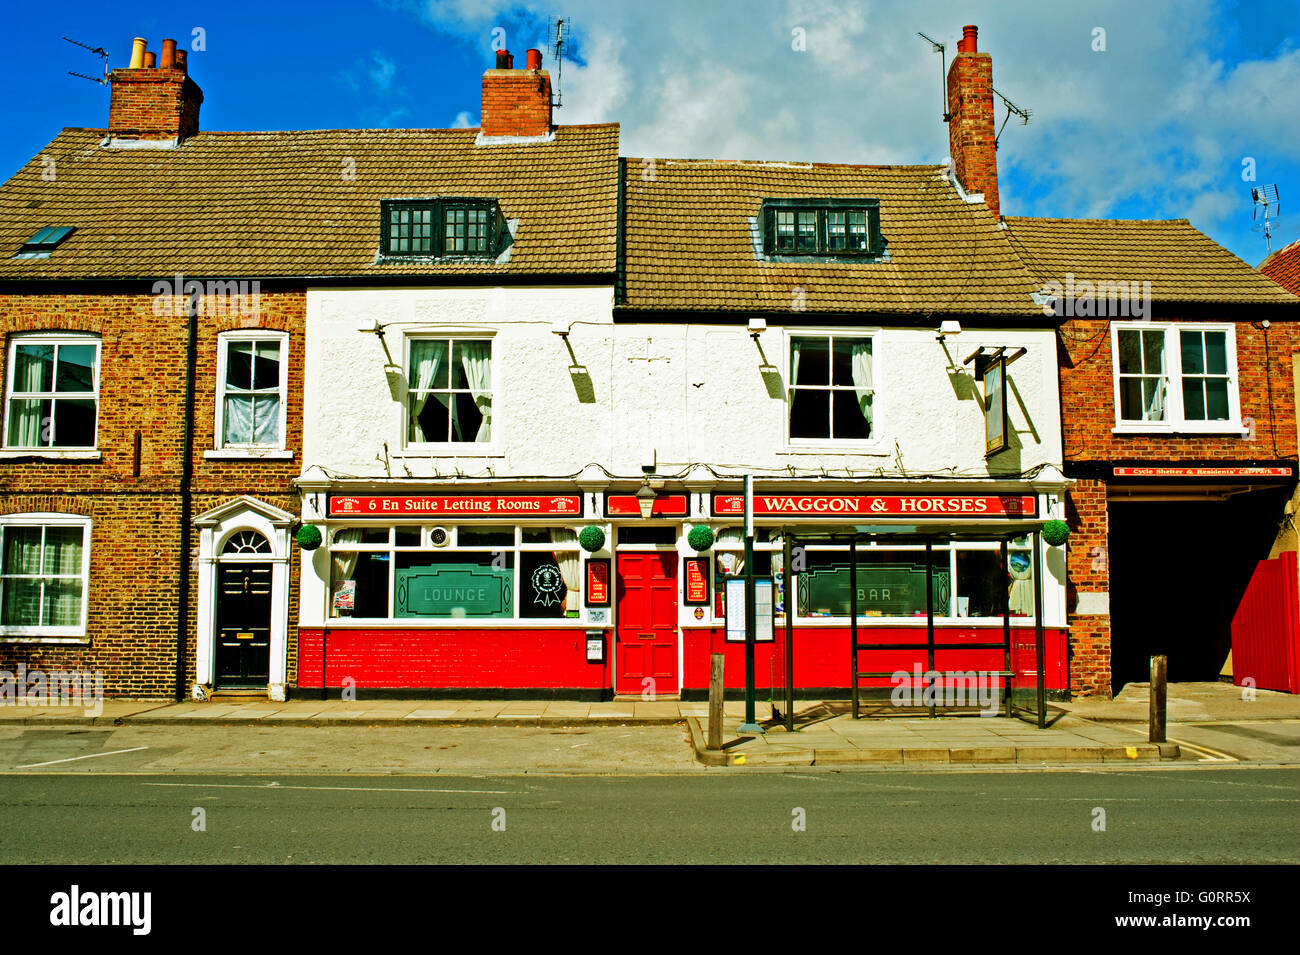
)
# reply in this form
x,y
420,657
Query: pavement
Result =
x,y
1083,731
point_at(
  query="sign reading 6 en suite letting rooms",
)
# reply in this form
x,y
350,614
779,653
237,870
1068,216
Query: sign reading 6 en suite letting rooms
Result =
x,y
879,505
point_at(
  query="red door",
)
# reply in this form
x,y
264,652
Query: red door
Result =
x,y
647,625
1265,635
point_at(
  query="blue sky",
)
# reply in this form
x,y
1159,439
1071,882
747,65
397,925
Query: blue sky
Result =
x,y
1158,124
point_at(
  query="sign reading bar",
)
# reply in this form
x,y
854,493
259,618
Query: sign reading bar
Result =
x,y
458,505
597,582
1202,472
697,582
625,505
881,505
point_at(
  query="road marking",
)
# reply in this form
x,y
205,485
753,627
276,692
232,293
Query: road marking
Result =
x,y
359,789
70,759
1206,753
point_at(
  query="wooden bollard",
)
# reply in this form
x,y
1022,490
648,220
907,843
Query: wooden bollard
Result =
x,y
1157,716
715,701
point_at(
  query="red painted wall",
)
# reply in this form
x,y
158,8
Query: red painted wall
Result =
x,y
426,658
822,658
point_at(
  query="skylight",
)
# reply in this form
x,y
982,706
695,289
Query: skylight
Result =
x,y
44,242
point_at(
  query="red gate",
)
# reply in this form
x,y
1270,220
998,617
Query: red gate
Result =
x,y
1265,628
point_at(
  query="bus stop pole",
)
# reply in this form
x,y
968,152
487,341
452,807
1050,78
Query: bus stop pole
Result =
x,y
751,724
787,588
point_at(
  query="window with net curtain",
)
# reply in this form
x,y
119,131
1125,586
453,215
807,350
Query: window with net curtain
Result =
x,y
831,388
449,388
42,576
252,395
53,392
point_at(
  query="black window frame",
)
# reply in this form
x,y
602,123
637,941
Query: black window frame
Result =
x,y
439,207
822,208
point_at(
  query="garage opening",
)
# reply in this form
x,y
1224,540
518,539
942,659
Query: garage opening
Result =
x,y
1178,572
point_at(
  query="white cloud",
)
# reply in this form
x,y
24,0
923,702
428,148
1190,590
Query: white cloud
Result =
x,y
1156,122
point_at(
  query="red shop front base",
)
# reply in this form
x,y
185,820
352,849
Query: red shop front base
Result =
x,y
823,667
461,662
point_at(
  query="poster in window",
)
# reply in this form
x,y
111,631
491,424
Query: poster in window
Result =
x,y
697,582
995,407
597,590
345,598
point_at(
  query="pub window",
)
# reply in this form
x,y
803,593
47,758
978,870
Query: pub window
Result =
x,y
449,391
827,228
479,572
832,393
455,228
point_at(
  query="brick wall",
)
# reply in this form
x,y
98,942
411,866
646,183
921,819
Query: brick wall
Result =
x,y
516,103
135,506
972,139
1087,572
151,103
1088,398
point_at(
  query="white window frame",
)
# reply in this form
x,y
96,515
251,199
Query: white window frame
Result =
x,y
52,338
1174,422
833,445
50,634
224,341
458,448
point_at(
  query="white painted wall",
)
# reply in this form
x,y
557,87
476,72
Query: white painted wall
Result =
x,y
693,393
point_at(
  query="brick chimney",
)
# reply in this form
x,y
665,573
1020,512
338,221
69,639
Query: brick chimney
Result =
x,y
516,102
154,102
971,134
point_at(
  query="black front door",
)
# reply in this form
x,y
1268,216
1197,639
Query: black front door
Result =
x,y
243,624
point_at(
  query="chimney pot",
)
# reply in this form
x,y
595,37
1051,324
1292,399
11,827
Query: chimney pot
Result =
x,y
180,61
534,59
503,59
510,61
137,53
967,42
150,60
168,59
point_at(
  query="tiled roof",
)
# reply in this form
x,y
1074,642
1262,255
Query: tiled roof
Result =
x,y
1182,263
1283,266
281,204
690,242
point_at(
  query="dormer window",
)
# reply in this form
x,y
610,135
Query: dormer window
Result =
x,y
441,228
44,242
822,228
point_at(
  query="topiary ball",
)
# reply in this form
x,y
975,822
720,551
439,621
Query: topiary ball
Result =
x,y
592,538
700,538
1056,533
308,537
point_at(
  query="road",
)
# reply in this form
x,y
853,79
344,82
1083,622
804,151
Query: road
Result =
x,y
1169,816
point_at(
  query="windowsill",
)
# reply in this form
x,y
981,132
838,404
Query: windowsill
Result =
x,y
874,449
34,638
447,453
53,454
1224,428
248,454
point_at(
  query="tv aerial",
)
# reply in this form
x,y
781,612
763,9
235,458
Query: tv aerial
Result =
x,y
557,38
1012,108
1267,209
98,51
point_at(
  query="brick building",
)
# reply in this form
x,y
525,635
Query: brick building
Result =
x,y
152,402
453,351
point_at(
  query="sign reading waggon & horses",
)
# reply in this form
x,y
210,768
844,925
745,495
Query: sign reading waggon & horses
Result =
x,y
879,505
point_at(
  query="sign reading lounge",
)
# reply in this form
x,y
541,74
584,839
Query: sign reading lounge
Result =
x,y
878,505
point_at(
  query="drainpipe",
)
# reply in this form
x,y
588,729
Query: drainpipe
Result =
x,y
187,498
